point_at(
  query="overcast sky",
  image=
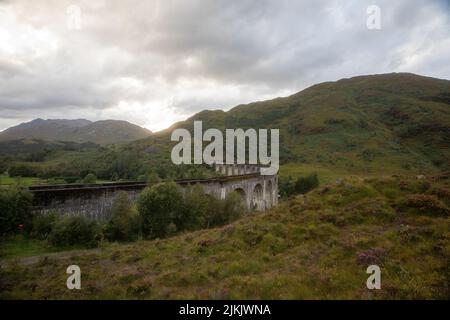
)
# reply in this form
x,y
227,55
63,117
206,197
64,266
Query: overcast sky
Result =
x,y
156,62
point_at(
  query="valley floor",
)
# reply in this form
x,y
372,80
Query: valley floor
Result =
x,y
315,246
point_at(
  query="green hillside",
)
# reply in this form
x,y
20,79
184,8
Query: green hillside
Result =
x,y
32,147
371,124
314,246
368,125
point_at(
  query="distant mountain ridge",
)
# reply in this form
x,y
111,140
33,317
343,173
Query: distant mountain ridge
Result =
x,y
373,124
77,130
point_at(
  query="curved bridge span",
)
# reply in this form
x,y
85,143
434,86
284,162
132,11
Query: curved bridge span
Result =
x,y
259,192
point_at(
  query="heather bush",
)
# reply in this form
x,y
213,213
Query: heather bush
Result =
x,y
426,204
371,256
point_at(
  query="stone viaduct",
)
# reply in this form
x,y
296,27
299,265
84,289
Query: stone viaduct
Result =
x,y
259,192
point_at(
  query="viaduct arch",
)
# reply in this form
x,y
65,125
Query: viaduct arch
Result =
x,y
259,192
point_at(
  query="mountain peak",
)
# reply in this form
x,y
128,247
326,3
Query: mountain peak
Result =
x,y
76,130
395,120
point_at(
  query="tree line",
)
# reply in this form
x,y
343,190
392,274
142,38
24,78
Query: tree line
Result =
x,y
161,210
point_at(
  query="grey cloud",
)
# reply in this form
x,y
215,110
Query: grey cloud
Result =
x,y
172,49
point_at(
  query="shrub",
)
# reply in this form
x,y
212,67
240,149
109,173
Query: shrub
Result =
x,y
90,178
4,164
229,209
305,184
124,224
302,185
196,210
75,230
22,170
442,193
371,256
350,191
428,204
159,206
165,210
204,211
14,209
286,186
126,164
152,178
43,224
37,156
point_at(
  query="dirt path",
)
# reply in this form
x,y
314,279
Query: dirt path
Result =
x,y
25,261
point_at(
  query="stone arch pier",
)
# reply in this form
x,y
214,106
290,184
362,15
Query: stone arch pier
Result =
x,y
259,192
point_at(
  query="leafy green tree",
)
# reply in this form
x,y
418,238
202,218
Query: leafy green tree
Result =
x,y
75,230
43,225
114,176
14,210
124,224
159,206
197,209
5,162
152,177
37,156
126,165
228,210
23,170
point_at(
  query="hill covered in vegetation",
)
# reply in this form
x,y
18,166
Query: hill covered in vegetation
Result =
x,y
380,147
367,125
79,130
393,122
313,246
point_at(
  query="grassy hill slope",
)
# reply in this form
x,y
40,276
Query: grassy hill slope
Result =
x,y
313,246
370,123
33,146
